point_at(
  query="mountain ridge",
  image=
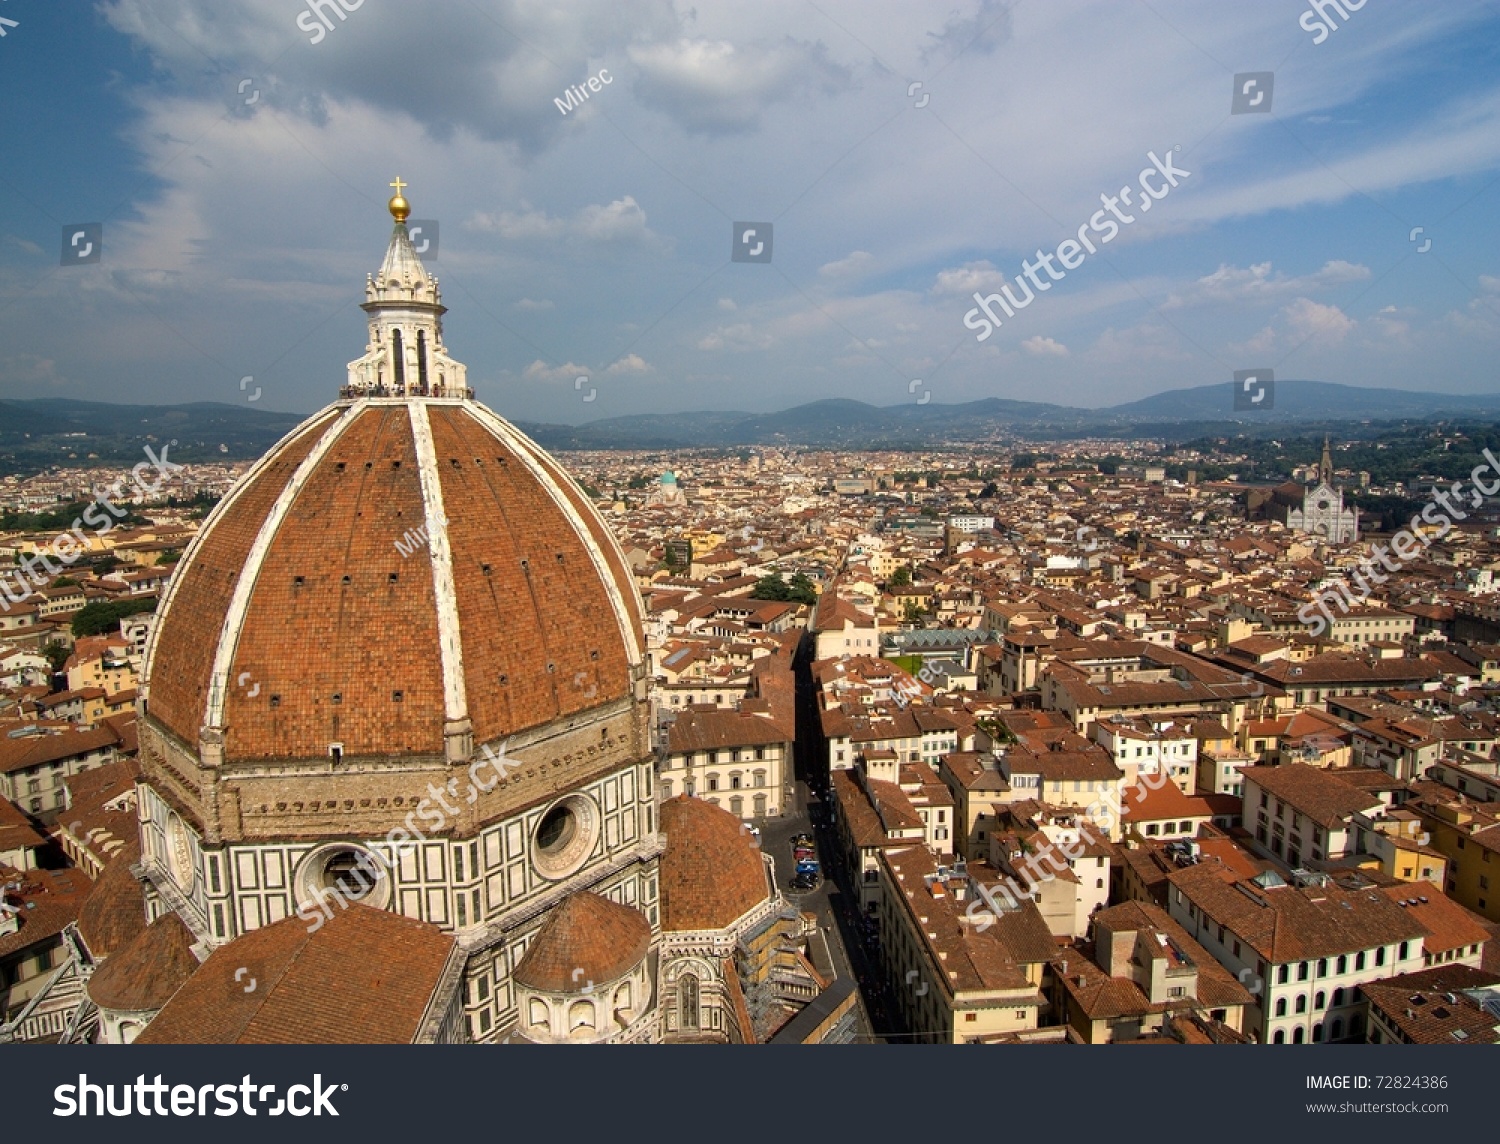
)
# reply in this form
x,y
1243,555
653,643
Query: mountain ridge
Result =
x,y
43,431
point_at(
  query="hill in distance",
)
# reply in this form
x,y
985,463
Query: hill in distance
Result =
x,y
51,433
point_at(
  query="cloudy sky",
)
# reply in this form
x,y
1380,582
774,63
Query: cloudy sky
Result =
x,y
907,154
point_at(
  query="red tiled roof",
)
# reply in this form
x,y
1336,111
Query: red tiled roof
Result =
x,y
1449,926
711,871
34,750
364,977
147,972
334,607
114,913
587,939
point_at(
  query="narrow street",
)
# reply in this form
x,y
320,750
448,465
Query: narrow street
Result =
x,y
834,898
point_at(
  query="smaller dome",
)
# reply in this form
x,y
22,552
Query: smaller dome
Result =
x,y
114,913
587,941
712,872
144,975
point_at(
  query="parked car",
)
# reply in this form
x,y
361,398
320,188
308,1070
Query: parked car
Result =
x,y
803,839
807,866
804,882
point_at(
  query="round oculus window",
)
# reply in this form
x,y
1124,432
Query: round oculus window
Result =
x,y
343,872
565,836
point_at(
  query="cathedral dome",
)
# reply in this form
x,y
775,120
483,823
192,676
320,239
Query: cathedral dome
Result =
x,y
712,872
404,574
588,940
146,973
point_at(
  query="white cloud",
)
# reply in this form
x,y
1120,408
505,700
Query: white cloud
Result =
x,y
969,277
716,86
630,363
856,263
518,226
1309,319
1237,285
1039,346
738,338
533,304
1261,342
568,372
727,304
623,220
487,71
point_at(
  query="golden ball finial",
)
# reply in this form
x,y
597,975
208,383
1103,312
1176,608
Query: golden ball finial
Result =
x,y
398,205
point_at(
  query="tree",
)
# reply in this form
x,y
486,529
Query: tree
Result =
x,y
912,613
63,517
57,655
771,587
802,590
901,577
102,616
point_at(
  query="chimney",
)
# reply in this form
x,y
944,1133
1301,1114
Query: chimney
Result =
x,y
1116,946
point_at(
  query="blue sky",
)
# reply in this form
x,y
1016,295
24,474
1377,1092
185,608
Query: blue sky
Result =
x,y
239,225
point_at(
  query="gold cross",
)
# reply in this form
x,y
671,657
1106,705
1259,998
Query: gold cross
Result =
x,y
398,184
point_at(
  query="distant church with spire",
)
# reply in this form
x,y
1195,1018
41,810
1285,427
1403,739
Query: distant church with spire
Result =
x,y
1323,514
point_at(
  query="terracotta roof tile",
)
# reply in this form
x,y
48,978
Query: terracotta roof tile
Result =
x,y
711,871
320,987
586,939
114,913
147,972
535,578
